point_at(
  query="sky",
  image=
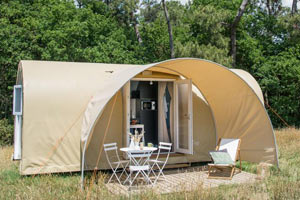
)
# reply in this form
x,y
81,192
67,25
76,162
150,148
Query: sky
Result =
x,y
286,3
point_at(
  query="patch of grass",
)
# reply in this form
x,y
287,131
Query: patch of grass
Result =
x,y
248,166
284,183
10,176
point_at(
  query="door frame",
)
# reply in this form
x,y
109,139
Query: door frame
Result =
x,y
176,119
126,94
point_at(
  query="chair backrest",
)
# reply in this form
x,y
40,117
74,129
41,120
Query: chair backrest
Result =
x,y
164,146
231,145
111,147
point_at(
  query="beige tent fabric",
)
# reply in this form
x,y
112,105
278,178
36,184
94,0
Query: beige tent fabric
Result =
x,y
204,134
117,80
56,95
237,109
250,81
65,103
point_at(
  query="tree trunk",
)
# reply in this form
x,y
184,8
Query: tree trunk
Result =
x,y
294,7
233,28
268,7
136,28
169,28
137,32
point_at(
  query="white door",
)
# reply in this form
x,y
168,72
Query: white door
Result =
x,y
184,117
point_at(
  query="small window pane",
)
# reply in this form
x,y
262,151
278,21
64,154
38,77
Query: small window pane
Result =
x,y
17,109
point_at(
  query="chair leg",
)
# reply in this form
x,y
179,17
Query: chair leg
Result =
x,y
130,181
152,170
114,174
209,168
134,178
156,179
146,177
124,170
232,172
160,172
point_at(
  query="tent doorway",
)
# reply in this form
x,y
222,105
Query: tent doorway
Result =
x,y
163,109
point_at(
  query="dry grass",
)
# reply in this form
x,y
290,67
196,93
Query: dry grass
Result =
x,y
282,184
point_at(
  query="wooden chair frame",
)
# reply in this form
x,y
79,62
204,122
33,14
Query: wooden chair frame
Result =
x,y
233,167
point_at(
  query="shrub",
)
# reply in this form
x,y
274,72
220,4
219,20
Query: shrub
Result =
x,y
6,132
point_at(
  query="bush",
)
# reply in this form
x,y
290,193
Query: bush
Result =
x,y
6,132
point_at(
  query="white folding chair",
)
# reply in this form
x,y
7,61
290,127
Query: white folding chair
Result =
x,y
159,163
141,166
115,165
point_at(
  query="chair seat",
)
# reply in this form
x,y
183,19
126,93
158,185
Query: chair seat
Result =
x,y
139,168
156,161
220,165
121,162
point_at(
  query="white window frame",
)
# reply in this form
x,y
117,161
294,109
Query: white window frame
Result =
x,y
14,100
18,124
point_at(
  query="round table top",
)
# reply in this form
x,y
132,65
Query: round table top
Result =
x,y
125,149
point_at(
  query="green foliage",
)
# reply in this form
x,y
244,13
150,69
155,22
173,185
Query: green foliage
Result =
x,y
280,81
6,132
207,39
57,30
104,31
155,40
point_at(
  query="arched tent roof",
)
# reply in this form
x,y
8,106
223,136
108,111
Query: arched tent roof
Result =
x,y
250,81
233,95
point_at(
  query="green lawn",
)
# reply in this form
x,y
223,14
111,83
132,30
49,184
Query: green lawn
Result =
x,y
282,184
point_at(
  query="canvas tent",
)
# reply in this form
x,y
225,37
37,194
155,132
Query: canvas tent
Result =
x,y
68,108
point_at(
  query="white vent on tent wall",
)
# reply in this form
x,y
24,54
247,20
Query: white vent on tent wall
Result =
x,y
17,112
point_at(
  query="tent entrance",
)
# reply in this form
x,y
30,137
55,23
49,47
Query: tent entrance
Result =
x,y
162,108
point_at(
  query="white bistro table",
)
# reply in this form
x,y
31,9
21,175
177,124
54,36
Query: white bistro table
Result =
x,y
138,156
138,149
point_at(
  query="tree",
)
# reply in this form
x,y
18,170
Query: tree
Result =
x,y
57,30
294,7
262,38
203,41
169,28
280,81
149,10
233,29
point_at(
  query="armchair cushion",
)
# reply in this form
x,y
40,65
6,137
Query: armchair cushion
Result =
x,y
221,157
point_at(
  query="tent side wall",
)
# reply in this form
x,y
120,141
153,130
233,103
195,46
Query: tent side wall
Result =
x,y
56,95
110,127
